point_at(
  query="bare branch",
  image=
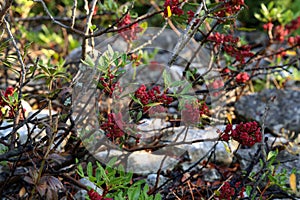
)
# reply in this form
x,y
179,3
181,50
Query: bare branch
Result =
x,y
73,13
4,10
22,81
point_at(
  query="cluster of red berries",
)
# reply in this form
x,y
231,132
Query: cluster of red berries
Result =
x,y
174,7
227,191
4,98
217,84
109,84
242,77
230,7
293,25
191,15
153,95
114,126
192,112
129,33
280,32
229,44
95,196
157,109
246,134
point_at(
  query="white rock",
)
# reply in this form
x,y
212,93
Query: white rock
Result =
x,y
24,130
140,162
198,150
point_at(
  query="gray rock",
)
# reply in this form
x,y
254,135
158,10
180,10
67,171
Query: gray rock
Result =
x,y
139,162
200,142
211,175
196,143
284,111
151,180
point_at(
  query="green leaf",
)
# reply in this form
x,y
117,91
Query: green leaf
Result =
x,y
272,179
16,96
186,89
88,61
110,50
157,197
139,115
167,78
270,5
121,170
144,26
153,104
80,171
136,100
93,27
112,162
102,172
271,155
134,193
177,83
248,190
265,10
89,170
145,190
233,68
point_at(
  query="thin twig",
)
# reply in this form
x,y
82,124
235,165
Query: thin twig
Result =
x,y
58,22
150,40
21,83
89,13
187,35
73,13
4,10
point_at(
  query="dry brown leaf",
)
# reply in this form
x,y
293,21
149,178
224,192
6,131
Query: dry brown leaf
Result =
x,y
22,192
293,182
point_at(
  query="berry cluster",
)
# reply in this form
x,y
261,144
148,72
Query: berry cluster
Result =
x,y
114,126
7,110
192,113
230,7
95,196
229,44
109,84
153,95
293,25
129,33
191,15
242,77
227,191
157,109
217,84
174,7
246,134
280,32
294,40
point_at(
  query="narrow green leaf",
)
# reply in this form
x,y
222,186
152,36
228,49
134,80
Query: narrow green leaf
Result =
x,y
80,171
153,104
167,78
265,10
112,162
90,170
110,50
271,155
248,190
139,115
